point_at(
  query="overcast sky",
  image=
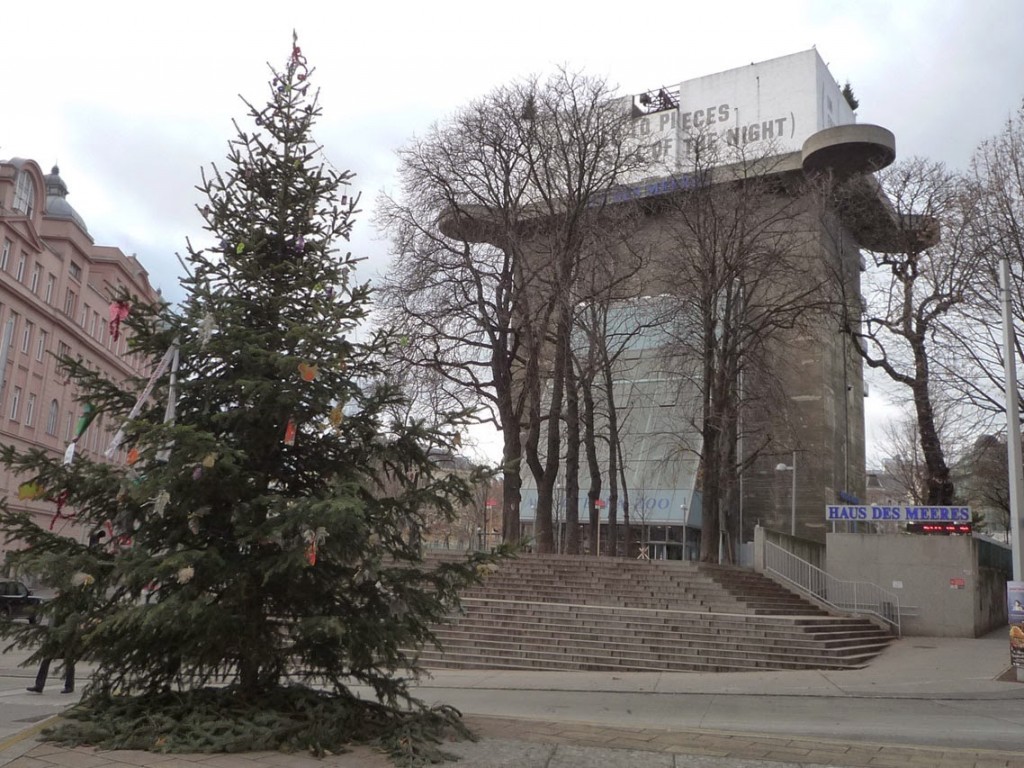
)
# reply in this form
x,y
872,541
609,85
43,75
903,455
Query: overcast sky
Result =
x,y
132,98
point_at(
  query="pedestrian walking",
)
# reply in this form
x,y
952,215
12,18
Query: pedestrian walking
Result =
x,y
44,670
64,625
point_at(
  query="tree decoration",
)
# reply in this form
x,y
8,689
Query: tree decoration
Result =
x,y
336,416
289,432
206,328
164,454
308,372
133,456
197,472
160,502
82,579
118,313
160,370
31,491
88,414
194,519
314,539
185,575
60,500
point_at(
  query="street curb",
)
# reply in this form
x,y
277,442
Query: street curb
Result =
x,y
1011,694
492,727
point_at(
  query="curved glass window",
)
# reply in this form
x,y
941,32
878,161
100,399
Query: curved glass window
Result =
x,y
24,193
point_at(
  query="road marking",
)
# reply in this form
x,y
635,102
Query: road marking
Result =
x,y
28,733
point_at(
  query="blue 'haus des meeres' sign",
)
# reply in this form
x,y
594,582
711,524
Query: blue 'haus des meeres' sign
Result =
x,y
899,513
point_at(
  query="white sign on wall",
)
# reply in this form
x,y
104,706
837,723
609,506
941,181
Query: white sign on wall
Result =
x,y
763,109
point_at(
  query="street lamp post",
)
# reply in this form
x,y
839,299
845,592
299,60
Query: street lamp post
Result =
x,y
682,508
792,504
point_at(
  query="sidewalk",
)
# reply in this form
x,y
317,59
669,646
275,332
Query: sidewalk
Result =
x,y
591,729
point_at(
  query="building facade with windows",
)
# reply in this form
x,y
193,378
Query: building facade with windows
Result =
x,y
55,291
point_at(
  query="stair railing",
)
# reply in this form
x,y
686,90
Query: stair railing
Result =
x,y
849,596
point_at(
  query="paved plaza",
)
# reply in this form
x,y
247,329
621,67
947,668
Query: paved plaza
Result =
x,y
948,703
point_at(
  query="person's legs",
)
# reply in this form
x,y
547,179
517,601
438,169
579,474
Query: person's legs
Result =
x,y
69,676
44,670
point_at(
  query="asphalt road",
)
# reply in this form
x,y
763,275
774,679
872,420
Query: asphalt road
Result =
x,y
934,693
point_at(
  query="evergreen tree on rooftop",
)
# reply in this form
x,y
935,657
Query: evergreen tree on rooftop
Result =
x,y
263,550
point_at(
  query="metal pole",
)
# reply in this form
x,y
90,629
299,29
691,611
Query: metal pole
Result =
x,y
1013,450
792,513
685,518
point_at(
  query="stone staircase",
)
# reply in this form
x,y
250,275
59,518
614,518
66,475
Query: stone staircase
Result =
x,y
581,613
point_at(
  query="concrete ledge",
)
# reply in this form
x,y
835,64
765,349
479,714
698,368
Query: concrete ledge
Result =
x,y
846,150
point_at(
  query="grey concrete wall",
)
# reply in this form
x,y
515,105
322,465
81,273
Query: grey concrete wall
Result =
x,y
926,572
811,551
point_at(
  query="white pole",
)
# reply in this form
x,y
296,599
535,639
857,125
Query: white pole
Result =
x,y
792,513
1013,451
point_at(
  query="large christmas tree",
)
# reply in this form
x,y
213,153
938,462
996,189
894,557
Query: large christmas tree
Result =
x,y
257,554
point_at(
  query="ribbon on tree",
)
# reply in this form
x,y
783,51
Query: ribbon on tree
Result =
x,y
88,414
164,454
118,312
161,369
314,540
60,500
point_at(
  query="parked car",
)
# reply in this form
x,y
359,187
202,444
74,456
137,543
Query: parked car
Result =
x,y
17,600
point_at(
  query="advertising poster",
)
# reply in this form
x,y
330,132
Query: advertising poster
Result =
x,y
1015,612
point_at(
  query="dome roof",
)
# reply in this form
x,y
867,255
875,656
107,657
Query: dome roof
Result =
x,y
57,204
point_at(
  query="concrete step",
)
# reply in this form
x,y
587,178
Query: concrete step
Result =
x,y
560,612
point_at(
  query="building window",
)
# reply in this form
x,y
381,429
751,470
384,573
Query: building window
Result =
x,y
14,317
51,418
51,281
69,303
63,350
85,314
15,403
41,344
5,254
69,422
37,272
30,410
93,323
19,275
75,271
26,336
24,193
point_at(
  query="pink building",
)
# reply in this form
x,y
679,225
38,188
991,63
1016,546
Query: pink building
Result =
x,y
55,294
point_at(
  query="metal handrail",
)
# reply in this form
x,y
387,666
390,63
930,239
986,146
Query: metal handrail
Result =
x,y
851,596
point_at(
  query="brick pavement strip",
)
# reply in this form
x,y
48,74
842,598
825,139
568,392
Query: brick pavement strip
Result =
x,y
785,749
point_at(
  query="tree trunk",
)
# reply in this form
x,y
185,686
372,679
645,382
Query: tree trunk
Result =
x,y
939,488
512,482
572,463
590,446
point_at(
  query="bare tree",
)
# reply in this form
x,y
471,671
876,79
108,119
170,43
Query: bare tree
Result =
x,y
516,181
975,357
915,284
742,268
